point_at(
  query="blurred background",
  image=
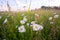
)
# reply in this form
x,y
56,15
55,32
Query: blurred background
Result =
x,y
23,5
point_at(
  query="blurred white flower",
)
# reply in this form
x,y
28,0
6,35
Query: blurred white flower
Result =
x,y
50,18
56,16
5,21
25,19
33,22
51,22
27,24
22,21
37,27
21,28
0,17
36,15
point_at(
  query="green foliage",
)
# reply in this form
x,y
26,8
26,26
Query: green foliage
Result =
x,y
9,30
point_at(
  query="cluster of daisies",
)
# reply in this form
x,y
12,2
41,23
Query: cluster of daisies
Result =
x,y
54,17
35,27
32,24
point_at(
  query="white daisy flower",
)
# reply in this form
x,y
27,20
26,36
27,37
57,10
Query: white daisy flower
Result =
x,y
5,21
36,15
51,22
37,27
22,22
21,28
56,16
50,18
33,22
0,17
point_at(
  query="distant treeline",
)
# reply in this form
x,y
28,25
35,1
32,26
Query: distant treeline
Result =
x,y
47,7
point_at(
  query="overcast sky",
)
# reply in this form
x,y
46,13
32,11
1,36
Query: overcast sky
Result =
x,y
18,4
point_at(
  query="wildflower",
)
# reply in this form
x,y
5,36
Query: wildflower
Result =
x,y
50,18
21,28
22,22
51,22
37,27
27,24
5,21
33,22
0,17
37,15
56,16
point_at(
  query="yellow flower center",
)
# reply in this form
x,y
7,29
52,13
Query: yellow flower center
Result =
x,y
21,28
36,27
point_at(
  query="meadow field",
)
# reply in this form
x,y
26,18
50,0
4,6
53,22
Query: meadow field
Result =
x,y
43,24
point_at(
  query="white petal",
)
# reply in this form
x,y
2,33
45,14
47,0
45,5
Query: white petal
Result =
x,y
0,17
22,22
27,24
56,16
50,18
5,21
36,15
33,22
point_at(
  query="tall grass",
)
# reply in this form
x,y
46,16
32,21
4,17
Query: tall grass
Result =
x,y
9,30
